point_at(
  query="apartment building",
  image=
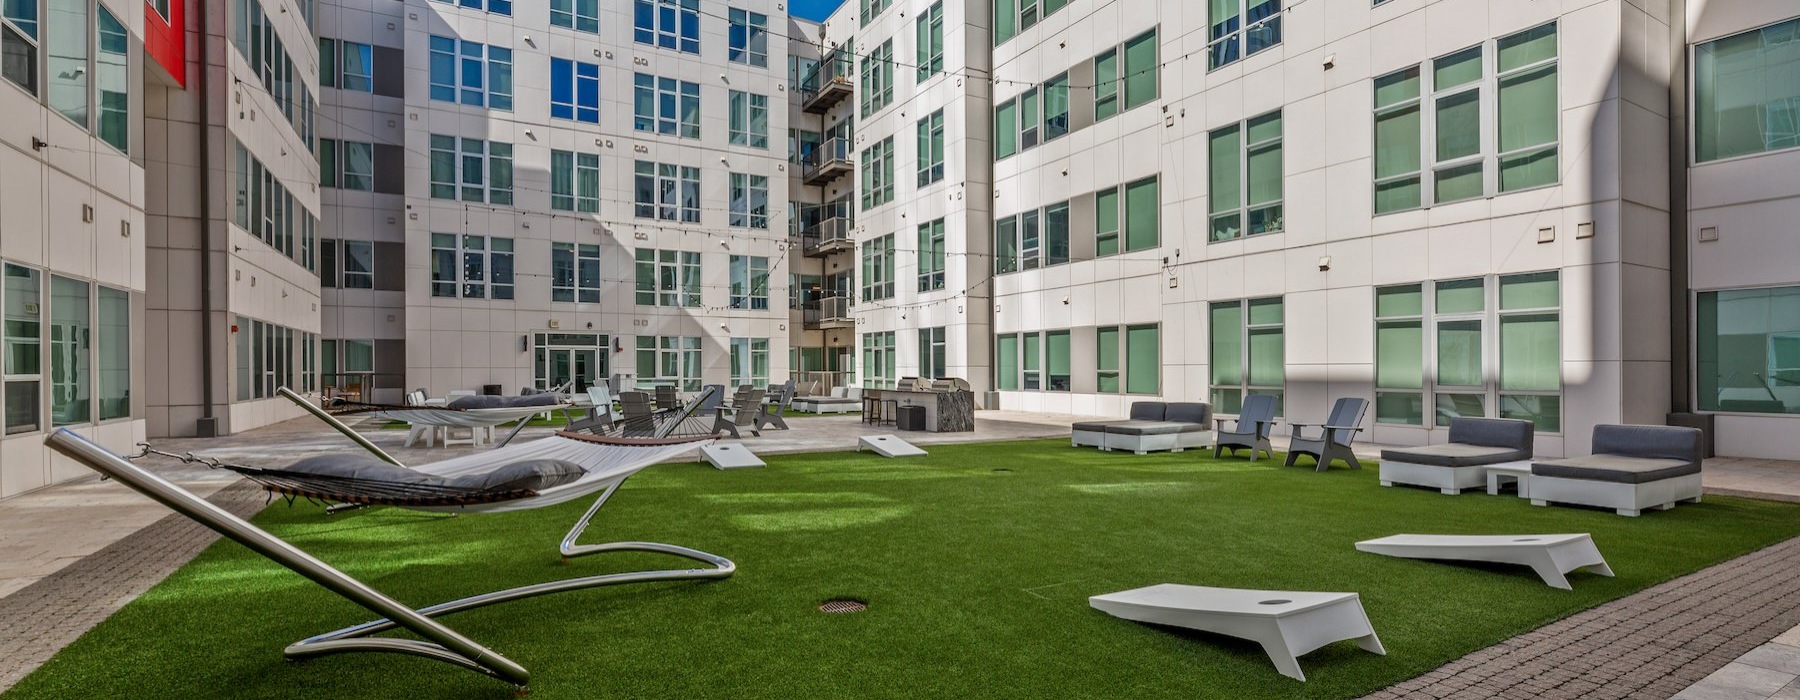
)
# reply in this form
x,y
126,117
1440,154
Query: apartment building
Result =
x,y
1447,207
76,173
529,194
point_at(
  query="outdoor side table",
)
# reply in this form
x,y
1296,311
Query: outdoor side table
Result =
x,y
1519,473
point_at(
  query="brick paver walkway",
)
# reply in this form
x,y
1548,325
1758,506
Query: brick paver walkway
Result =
x,y
40,619
1648,645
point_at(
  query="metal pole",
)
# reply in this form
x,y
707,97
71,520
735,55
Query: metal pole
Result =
x,y
444,643
320,414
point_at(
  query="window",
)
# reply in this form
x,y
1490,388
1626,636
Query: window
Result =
x,y
1128,358
928,36
878,78
1241,28
486,266
66,64
1056,107
328,62
575,272
1531,349
358,66
750,361
112,355
1035,361
1747,93
470,73
666,106
931,148
1747,350
480,171
1400,354
750,282
669,360
1140,214
359,265
579,15
574,181
1460,308
1106,84
1006,129
668,278
878,174
668,192
1397,145
878,268
931,353
1006,20
581,360
1524,150
21,368
801,144
873,8
1528,113
749,119
1140,69
749,201
668,24
1248,352
879,360
68,347
112,81
498,7
19,64
1028,119
749,38
1245,178
1033,239
574,90
931,255
346,165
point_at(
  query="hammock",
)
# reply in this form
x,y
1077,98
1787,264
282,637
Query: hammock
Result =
x,y
602,464
603,461
447,417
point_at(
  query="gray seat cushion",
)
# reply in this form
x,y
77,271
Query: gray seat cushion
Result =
x,y
826,400
531,475
1455,455
467,402
1145,427
362,467
1095,426
1615,468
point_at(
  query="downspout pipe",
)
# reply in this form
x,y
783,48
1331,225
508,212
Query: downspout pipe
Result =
x,y
208,425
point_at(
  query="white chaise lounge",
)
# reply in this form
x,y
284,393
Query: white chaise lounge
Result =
x,y
1286,623
843,399
1475,445
1551,556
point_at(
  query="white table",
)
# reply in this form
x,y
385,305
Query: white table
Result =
x,y
1551,556
1520,473
1286,623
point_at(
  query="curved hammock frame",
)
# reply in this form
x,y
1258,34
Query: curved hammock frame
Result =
x,y
608,462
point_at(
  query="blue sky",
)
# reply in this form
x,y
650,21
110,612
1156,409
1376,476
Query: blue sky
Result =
x,y
815,10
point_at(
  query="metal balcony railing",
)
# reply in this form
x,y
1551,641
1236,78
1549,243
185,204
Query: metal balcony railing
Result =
x,y
829,312
828,161
828,236
828,83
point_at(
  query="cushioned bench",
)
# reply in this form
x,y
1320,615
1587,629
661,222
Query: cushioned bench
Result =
x,y
1633,467
841,400
1475,444
1183,426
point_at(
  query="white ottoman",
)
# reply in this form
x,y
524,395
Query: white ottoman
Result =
x,y
1550,556
1286,623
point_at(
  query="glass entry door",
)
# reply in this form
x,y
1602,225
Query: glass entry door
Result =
x,y
575,359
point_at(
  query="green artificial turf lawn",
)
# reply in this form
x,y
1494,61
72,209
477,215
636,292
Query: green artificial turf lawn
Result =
x,y
977,582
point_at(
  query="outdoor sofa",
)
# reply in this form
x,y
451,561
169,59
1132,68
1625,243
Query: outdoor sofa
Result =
x,y
843,399
1476,444
1633,467
1154,426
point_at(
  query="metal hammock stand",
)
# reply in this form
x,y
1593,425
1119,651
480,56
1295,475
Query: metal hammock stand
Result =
x,y
439,642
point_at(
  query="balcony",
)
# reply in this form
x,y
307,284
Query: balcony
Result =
x,y
828,84
828,236
828,313
826,162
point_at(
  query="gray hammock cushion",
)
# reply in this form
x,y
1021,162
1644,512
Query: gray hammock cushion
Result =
x,y
466,402
528,475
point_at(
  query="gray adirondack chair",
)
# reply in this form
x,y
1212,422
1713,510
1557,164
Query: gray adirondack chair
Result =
x,y
1335,436
1250,430
742,414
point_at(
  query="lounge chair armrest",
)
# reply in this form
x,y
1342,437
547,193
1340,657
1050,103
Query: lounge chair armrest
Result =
x,y
1357,428
1301,425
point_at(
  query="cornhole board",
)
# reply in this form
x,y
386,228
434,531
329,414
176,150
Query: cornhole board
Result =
x,y
888,446
730,457
1286,623
1551,556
